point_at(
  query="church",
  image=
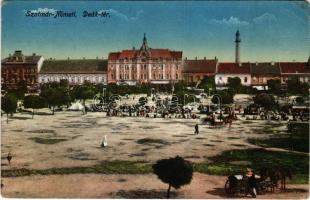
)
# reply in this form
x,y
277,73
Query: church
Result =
x,y
145,65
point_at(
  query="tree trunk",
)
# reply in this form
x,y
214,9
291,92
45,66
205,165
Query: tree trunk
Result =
x,y
7,118
168,192
32,112
53,110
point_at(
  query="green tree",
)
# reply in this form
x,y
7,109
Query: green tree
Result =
x,y
176,172
234,84
294,86
266,101
34,102
274,86
9,105
83,92
53,97
226,98
207,83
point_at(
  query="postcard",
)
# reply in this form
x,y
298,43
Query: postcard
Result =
x,y
155,99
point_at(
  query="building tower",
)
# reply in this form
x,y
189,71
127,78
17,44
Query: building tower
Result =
x,y
144,50
237,41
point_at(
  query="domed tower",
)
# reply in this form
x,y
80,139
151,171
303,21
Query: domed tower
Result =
x,y
237,41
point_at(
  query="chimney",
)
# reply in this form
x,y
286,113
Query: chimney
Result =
x,y
96,57
204,58
68,58
33,54
185,58
51,58
215,58
133,48
196,58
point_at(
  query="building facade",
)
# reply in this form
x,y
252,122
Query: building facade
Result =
x,y
146,65
197,69
262,72
299,70
76,72
231,70
18,67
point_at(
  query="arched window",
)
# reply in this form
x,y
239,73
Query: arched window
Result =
x,y
245,79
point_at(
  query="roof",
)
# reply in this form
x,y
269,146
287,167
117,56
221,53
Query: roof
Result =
x,y
294,67
200,66
265,68
154,54
233,68
74,66
26,60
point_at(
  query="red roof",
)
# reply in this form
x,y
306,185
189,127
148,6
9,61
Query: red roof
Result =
x,y
113,56
200,66
294,67
154,54
233,68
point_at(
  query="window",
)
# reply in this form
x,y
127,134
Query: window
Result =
x,y
220,78
245,79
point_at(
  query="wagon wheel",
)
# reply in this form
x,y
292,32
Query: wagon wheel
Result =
x,y
229,188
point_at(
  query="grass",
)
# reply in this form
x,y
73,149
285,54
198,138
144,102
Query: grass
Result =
x,y
151,141
283,141
296,138
47,140
227,163
113,167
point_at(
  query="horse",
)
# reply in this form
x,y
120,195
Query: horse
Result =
x,y
276,174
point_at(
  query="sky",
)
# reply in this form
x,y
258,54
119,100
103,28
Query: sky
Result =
x,y
270,30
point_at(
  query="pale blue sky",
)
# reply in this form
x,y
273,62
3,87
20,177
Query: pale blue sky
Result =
x,y
270,30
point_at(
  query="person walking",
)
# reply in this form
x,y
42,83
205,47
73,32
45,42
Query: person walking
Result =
x,y
196,129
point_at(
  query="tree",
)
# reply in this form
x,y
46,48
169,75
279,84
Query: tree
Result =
x,y
53,97
265,100
9,105
34,102
274,86
234,84
83,92
226,98
207,83
294,86
176,172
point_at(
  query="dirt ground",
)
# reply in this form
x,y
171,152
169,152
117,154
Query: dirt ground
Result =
x,y
127,186
77,140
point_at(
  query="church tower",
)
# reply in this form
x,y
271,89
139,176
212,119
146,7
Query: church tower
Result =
x,y
237,41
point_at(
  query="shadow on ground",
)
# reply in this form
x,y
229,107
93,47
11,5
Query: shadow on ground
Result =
x,y
144,194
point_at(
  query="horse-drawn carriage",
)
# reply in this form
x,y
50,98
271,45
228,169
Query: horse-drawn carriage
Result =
x,y
238,185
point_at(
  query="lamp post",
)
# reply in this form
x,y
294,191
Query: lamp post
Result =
x,y
210,98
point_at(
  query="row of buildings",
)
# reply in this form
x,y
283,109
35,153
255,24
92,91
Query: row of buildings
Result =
x,y
145,65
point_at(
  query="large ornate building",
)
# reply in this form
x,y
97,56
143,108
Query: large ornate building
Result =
x,y
18,67
145,65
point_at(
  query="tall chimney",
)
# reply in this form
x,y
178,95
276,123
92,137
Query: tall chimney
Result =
x,y
237,41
